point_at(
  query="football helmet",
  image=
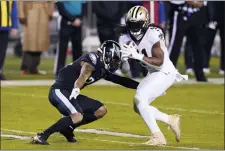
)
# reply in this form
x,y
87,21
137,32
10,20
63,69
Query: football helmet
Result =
x,y
137,20
111,55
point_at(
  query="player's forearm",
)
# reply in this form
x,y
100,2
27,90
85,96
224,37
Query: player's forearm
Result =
x,y
153,61
126,82
85,73
80,82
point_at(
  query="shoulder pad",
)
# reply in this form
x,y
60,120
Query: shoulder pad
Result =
x,y
155,34
93,58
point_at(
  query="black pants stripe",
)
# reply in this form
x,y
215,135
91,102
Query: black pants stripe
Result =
x,y
4,37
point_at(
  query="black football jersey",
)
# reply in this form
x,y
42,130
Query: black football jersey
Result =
x,y
70,73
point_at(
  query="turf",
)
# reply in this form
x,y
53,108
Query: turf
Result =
x,y
12,68
201,108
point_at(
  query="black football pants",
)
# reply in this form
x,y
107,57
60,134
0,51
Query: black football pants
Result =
x,y
210,36
182,27
4,37
66,33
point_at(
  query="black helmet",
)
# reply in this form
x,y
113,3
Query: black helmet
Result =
x,y
111,55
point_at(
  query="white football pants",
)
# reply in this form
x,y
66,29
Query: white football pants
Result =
x,y
151,87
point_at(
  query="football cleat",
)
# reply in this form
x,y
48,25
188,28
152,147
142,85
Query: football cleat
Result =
x,y
157,139
39,139
68,134
174,124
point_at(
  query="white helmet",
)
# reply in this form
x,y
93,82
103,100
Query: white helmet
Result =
x,y
137,19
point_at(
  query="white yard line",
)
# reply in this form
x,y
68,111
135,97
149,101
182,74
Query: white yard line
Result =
x,y
94,131
15,136
125,104
100,82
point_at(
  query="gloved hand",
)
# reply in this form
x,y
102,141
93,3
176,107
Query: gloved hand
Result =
x,y
75,92
125,56
131,52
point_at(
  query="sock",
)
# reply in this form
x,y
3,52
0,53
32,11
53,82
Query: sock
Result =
x,y
59,125
147,114
160,116
87,118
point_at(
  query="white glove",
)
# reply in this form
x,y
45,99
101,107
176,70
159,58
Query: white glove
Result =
x,y
131,52
75,92
125,56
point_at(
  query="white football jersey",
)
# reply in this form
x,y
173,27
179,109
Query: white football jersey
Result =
x,y
152,35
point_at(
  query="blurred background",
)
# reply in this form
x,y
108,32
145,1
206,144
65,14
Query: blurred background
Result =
x,y
38,38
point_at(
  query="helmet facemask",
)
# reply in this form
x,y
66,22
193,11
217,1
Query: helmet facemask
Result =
x,y
111,56
136,29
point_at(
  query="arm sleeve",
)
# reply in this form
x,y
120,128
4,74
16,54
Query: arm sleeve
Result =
x,y
14,15
126,82
64,13
91,59
124,39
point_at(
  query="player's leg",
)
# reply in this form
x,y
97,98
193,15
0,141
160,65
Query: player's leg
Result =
x,y
172,120
178,31
222,55
60,57
151,87
76,39
59,99
196,34
92,111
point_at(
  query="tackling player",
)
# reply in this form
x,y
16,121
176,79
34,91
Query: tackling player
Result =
x,y
65,92
145,43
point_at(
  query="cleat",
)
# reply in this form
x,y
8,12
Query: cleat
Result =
x,y
68,134
39,139
157,139
174,124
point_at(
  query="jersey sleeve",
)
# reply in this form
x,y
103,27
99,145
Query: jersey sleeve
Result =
x,y
155,34
91,58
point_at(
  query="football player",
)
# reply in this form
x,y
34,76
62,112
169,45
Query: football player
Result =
x,y
65,95
145,43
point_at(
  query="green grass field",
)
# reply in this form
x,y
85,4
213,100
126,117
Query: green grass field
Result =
x,y
26,109
12,68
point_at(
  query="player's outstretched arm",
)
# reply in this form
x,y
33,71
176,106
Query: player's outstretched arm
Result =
x,y
85,73
126,82
157,55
